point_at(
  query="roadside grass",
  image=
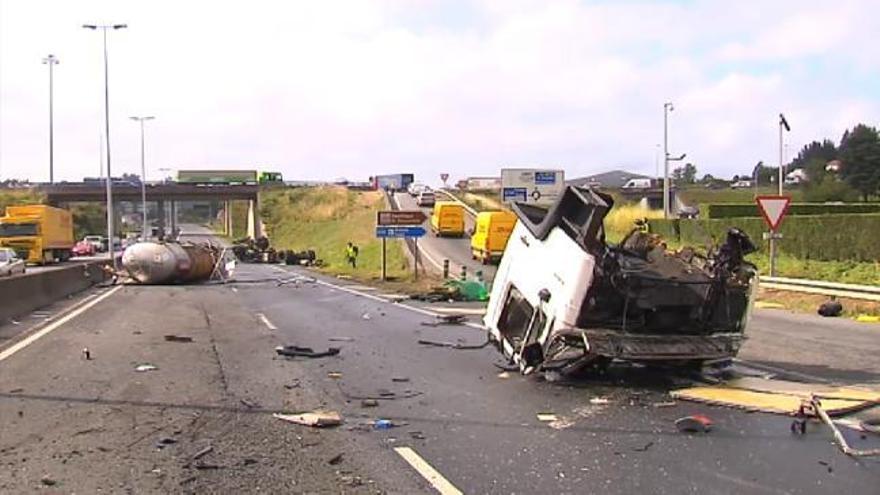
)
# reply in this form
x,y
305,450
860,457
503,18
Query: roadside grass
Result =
x,y
324,219
847,272
622,219
809,303
16,197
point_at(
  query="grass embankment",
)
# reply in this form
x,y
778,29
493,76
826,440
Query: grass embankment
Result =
x,y
698,194
325,219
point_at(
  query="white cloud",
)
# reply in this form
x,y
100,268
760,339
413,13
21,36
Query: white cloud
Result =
x,y
328,89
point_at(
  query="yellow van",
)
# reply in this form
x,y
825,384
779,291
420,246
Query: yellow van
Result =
x,y
491,234
447,219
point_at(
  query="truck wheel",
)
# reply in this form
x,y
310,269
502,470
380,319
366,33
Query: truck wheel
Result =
x,y
65,255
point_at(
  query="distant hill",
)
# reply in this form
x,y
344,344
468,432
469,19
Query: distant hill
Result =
x,y
614,179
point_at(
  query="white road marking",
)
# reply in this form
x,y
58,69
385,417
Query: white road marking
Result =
x,y
427,471
266,321
30,339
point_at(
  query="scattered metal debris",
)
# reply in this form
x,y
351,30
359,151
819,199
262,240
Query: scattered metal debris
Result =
x,y
164,442
384,424
547,417
87,354
399,379
455,345
335,459
452,319
671,403
308,352
696,423
248,404
46,480
417,435
178,338
366,316
838,437
319,419
643,449
599,401
336,375
146,367
295,383
369,403
504,375
205,451
341,339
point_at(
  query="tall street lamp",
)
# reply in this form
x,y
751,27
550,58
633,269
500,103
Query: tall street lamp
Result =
x,y
783,124
143,174
109,179
667,107
51,61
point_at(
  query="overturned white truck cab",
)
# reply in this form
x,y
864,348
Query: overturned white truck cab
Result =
x,y
563,298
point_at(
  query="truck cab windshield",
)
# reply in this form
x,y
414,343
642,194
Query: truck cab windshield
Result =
x,y
17,229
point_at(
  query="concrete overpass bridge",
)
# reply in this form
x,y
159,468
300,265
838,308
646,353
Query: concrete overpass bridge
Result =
x,y
165,195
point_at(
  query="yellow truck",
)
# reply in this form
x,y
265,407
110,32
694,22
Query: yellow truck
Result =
x,y
490,235
38,233
447,219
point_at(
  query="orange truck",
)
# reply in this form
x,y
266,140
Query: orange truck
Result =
x,y
39,234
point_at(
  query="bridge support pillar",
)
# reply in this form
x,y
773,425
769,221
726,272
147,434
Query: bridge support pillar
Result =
x,y
160,218
227,218
254,225
174,218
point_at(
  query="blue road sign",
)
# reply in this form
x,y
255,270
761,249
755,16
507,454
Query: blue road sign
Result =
x,y
514,194
383,231
545,178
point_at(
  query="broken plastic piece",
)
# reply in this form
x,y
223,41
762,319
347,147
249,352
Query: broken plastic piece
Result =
x,y
145,367
547,417
319,419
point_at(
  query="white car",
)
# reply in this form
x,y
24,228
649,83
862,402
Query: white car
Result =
x,y
10,263
741,184
426,198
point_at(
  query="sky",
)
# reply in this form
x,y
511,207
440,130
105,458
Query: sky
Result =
x,y
331,89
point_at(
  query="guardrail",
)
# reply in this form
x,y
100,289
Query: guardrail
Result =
x,y
472,212
852,291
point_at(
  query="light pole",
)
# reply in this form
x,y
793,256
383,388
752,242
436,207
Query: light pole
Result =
x,y
143,175
667,107
109,179
783,124
51,61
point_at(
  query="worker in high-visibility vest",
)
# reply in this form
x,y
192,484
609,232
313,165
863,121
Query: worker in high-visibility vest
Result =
x,y
351,253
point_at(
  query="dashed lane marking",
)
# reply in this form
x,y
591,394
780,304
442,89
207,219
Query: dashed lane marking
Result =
x,y
266,321
427,471
30,339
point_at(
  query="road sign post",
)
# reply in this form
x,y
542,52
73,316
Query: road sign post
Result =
x,y
400,224
773,209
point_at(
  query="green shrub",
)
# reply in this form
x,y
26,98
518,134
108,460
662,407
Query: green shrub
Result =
x,y
843,237
736,210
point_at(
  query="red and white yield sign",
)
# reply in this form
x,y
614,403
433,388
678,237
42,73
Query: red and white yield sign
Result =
x,y
773,209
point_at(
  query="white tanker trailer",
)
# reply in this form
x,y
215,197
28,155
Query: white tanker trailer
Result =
x,y
168,262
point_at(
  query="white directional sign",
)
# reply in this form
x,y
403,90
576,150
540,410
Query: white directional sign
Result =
x,y
773,209
529,185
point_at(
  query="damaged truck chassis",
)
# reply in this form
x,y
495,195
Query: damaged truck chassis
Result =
x,y
564,299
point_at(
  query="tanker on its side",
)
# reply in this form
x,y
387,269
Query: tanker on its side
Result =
x,y
169,262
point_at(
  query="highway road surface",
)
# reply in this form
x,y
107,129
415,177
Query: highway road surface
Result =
x,y
436,249
202,420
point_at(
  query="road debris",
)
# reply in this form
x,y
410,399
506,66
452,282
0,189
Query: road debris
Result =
x,y
293,384
145,367
369,403
335,459
696,423
308,352
336,375
399,379
452,319
780,396
599,401
46,480
341,339
417,435
547,417
643,449
164,442
319,419
561,423
671,403
202,453
87,354
384,424
178,338
830,308
366,316
248,404
504,375
455,345
845,447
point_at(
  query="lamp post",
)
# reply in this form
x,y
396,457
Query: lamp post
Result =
x,y
667,107
109,179
783,124
51,61
141,120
